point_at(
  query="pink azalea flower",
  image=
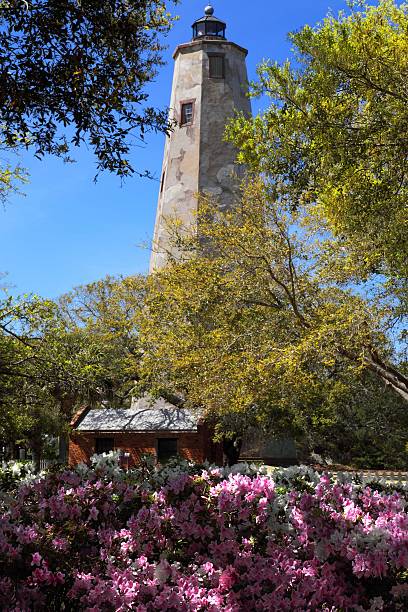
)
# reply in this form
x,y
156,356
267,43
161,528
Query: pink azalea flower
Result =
x,y
36,559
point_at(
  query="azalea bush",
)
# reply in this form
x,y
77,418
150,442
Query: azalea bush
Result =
x,y
204,539
14,472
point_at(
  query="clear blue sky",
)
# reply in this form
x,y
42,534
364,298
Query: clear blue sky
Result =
x,y
69,231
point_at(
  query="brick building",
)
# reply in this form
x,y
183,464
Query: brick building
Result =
x,y
157,428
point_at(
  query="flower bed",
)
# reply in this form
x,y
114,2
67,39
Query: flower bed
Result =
x,y
202,539
12,472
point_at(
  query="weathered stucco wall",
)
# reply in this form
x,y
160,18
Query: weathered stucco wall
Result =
x,y
196,159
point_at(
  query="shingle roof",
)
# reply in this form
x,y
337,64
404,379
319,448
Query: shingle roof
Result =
x,y
144,415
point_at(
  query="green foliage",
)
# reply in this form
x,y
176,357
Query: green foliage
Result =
x,y
81,65
253,328
335,136
365,426
106,313
10,180
56,356
26,407
285,312
332,149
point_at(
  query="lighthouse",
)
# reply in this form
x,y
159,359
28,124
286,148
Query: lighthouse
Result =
x,y
210,84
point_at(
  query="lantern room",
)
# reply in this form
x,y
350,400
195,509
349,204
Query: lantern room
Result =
x,y
209,26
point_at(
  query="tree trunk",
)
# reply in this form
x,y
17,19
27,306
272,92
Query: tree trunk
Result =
x,y
231,448
63,447
392,377
36,444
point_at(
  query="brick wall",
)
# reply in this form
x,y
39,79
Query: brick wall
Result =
x,y
193,446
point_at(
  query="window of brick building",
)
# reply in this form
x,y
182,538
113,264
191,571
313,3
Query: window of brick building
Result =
x,y
166,448
104,445
217,66
187,113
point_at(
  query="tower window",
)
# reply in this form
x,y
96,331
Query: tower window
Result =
x,y
187,113
217,66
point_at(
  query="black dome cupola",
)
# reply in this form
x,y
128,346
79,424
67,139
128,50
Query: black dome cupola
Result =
x,y
209,26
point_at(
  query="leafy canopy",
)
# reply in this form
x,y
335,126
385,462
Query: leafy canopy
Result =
x,y
335,136
55,356
256,320
82,65
296,305
11,178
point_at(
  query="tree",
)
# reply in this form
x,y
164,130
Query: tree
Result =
x,y
333,146
335,137
57,356
366,426
26,410
10,179
256,318
107,312
298,294
73,72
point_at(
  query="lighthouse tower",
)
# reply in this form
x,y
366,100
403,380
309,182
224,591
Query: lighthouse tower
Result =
x,y
210,83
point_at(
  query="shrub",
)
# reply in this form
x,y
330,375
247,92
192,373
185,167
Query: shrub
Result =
x,y
14,472
202,539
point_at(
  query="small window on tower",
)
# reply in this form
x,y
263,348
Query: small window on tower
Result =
x,y
217,66
187,112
